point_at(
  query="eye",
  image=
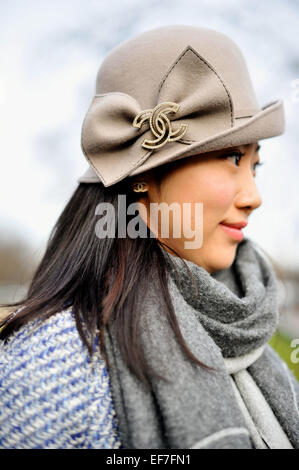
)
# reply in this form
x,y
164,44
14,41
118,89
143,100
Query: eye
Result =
x,y
235,155
257,164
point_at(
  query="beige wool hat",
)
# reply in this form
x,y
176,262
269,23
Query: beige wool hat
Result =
x,y
169,93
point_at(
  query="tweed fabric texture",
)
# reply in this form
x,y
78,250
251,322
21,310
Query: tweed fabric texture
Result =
x,y
52,395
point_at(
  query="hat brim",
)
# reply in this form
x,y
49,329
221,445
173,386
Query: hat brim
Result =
x,y
269,122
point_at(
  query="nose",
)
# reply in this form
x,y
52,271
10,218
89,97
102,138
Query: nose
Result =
x,y
248,196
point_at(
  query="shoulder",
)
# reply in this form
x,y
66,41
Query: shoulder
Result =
x,y
53,338
53,394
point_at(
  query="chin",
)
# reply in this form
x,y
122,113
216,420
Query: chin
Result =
x,y
223,261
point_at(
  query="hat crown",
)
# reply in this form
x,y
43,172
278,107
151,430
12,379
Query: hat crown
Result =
x,y
138,65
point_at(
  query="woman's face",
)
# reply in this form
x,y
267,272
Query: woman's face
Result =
x,y
223,182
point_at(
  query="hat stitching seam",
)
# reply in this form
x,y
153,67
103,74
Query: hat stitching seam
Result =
x,y
186,141
190,48
254,118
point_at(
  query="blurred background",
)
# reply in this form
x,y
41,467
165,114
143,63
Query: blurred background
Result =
x,y
50,54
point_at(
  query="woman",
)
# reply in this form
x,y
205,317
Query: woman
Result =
x,y
131,336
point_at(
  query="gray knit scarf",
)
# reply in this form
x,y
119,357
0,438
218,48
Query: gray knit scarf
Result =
x,y
226,319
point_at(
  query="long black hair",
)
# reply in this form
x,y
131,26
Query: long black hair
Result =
x,y
103,279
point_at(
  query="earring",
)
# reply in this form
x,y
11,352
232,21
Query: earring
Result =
x,y
140,187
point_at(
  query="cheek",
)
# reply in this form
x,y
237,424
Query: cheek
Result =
x,y
207,184
218,194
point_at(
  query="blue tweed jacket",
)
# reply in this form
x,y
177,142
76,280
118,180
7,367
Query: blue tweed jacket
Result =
x,y
52,395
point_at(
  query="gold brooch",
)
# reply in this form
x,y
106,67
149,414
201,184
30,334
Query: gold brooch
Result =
x,y
160,124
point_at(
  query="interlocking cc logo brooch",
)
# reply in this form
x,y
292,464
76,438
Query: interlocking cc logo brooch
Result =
x,y
160,124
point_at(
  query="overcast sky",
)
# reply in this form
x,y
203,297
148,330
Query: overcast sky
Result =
x,y
50,52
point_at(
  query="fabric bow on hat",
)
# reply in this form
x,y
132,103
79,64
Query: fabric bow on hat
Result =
x,y
193,103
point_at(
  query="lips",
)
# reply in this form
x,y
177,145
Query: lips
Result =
x,y
234,230
237,225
